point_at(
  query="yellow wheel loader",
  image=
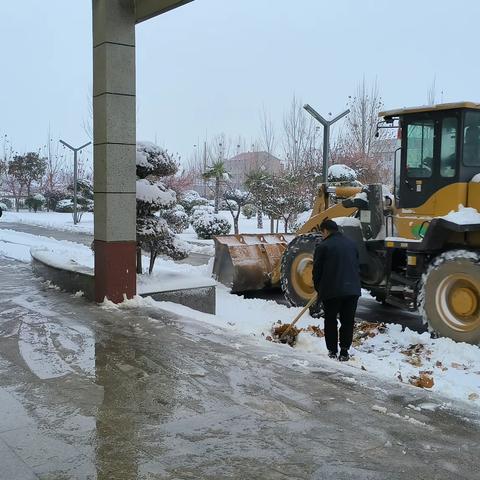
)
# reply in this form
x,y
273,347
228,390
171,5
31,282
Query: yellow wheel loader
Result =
x,y
414,253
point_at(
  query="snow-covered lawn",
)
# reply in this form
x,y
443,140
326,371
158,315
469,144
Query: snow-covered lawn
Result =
x,y
52,220
64,222
386,353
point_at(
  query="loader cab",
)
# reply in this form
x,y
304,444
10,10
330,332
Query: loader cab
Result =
x,y
440,146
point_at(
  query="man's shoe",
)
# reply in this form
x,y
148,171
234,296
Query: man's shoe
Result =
x,y
332,354
344,356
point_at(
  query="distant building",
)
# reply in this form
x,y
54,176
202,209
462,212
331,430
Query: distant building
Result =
x,y
242,164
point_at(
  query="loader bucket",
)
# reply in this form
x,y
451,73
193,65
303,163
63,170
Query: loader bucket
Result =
x,y
245,262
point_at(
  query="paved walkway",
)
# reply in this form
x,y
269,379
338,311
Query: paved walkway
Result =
x,y
137,394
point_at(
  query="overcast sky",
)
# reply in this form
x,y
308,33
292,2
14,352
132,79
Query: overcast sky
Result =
x,y
208,67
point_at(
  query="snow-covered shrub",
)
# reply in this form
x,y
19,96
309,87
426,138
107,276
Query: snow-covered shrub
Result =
x,y
249,210
176,218
52,197
341,173
209,225
3,207
35,202
7,202
84,198
201,210
155,233
152,159
300,220
191,199
64,206
235,199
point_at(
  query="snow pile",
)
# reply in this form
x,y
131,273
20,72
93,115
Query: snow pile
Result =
x,y
341,173
464,216
361,196
347,222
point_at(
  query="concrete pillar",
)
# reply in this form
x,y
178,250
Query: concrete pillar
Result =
x,y
114,148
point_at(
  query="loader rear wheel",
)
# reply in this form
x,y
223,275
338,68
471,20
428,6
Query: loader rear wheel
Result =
x,y
451,296
296,269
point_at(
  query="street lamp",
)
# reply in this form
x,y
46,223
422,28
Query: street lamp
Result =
x,y
326,134
75,175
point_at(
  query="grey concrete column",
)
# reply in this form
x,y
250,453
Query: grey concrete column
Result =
x,y
114,147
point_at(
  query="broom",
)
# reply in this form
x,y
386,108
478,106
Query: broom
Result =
x,y
297,318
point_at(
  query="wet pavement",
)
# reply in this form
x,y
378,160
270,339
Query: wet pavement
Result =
x,y
89,393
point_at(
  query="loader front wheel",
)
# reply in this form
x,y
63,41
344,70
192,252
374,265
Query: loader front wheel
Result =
x,y
450,297
296,269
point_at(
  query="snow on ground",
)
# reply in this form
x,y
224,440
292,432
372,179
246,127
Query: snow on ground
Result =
x,y
53,220
17,245
449,368
64,222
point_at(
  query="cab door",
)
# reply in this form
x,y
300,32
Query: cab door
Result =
x,y
429,160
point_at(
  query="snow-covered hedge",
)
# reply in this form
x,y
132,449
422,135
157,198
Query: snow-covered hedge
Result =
x,y
209,225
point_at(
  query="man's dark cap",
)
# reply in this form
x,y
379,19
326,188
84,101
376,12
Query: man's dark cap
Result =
x,y
329,225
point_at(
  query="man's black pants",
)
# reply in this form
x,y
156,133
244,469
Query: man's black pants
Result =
x,y
345,307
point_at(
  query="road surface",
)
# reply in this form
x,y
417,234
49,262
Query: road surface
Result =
x,y
131,394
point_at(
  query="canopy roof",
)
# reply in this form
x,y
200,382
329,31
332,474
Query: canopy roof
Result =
x,y
146,9
429,108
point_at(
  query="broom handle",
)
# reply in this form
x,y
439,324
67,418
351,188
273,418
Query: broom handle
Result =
x,y
297,318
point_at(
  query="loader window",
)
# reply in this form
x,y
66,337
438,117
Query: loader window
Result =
x,y
448,154
471,140
420,140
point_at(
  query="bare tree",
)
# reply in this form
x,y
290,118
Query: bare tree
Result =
x,y
267,132
55,164
361,145
300,137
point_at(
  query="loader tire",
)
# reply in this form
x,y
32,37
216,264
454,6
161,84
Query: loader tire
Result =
x,y
296,269
450,296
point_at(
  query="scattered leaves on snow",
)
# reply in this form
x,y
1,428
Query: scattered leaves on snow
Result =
x,y
424,380
365,330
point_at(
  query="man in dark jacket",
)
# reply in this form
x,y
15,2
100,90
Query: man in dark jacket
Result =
x,y
336,277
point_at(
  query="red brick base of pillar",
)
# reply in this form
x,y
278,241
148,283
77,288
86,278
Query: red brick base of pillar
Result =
x,y
115,270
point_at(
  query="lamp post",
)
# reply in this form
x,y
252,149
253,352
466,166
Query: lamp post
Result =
x,y
326,134
75,175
